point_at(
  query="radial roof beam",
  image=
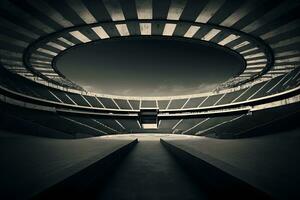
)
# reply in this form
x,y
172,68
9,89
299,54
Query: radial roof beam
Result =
x,y
283,67
228,39
122,29
15,67
13,41
46,51
176,9
279,71
18,28
37,56
288,60
12,62
82,11
209,10
249,50
78,35
145,28
50,74
7,53
241,45
40,61
41,65
144,9
241,12
283,7
256,66
282,29
256,61
100,32
18,12
43,68
50,12
211,34
256,55
191,31
286,42
287,53
64,40
114,9
56,46
169,29
252,71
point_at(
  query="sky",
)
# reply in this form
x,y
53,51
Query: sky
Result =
x,y
148,67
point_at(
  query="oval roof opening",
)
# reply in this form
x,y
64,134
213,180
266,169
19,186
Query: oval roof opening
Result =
x,y
149,66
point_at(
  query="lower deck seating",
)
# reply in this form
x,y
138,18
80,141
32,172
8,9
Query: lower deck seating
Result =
x,y
72,125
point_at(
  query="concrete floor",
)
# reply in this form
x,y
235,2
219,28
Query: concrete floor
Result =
x,y
149,172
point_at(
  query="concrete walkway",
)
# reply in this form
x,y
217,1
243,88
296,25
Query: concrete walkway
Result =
x,y
149,172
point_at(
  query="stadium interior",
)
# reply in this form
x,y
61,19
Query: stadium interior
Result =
x,y
149,99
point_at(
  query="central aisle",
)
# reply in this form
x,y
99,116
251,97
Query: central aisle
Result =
x,y
149,172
